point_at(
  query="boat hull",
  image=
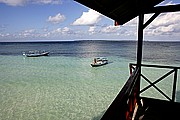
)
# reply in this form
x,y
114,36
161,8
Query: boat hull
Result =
x,y
36,54
97,65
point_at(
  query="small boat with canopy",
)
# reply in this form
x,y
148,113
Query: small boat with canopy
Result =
x,y
99,61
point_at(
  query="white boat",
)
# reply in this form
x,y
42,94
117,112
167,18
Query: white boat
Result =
x,y
35,53
99,61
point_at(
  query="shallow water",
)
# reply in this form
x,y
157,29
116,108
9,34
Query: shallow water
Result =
x,y
57,87
63,86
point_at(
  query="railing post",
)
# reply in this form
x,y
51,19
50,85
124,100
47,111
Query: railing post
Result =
x,y
131,68
174,85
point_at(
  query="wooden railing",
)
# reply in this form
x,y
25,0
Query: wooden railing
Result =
x,y
172,70
122,108
123,105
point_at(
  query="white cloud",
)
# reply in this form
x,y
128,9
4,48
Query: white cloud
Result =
x,y
27,33
56,19
165,24
167,19
4,35
88,18
14,2
64,30
110,29
47,1
92,29
23,2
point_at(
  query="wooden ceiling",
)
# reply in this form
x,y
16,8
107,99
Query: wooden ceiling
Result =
x,y
121,11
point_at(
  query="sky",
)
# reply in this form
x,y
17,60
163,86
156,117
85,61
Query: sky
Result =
x,y
64,20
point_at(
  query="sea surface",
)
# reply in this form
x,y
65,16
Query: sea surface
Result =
x,y
63,85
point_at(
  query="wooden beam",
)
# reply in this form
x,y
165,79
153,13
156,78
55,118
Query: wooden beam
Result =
x,y
140,40
163,9
150,20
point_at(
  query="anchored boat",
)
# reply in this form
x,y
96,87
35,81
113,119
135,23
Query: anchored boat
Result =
x,y
99,61
35,53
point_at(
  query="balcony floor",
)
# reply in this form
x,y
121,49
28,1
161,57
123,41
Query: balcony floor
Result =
x,y
154,109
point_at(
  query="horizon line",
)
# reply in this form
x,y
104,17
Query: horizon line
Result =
x,y
89,40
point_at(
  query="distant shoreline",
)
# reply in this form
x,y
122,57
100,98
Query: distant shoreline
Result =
x,y
81,40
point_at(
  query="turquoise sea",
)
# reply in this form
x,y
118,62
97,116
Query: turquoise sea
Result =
x,y
63,85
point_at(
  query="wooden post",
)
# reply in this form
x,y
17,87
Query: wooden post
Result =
x,y
140,40
174,85
139,51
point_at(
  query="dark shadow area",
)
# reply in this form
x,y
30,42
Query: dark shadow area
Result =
x,y
155,109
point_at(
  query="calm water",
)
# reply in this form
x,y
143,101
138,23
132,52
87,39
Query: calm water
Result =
x,y
63,85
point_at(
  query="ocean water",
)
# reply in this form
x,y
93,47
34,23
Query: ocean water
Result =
x,y
63,85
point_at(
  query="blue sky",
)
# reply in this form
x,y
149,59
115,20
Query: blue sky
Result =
x,y
49,20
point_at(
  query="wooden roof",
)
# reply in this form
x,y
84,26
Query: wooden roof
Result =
x,y
121,11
